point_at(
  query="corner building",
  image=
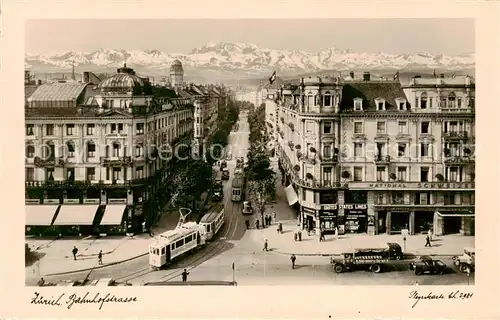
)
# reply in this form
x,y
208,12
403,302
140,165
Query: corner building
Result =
x,y
403,156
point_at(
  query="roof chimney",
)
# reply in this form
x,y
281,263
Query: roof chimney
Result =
x,y
351,74
442,75
366,76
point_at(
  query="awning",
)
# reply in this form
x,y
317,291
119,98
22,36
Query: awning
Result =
x,y
40,215
291,195
113,215
76,215
456,214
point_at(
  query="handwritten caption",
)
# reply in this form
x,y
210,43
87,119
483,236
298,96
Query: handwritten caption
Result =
x,y
74,299
430,296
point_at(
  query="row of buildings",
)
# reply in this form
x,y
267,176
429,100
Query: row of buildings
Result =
x,y
377,156
95,147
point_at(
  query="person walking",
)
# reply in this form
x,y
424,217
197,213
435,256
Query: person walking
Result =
x,y
265,246
274,216
99,257
185,275
428,241
293,258
257,224
74,251
429,233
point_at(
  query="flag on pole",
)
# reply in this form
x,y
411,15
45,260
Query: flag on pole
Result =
x,y
396,76
272,78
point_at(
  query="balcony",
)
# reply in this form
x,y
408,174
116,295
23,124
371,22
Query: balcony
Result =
x,y
459,160
116,161
380,159
84,184
329,159
455,135
50,162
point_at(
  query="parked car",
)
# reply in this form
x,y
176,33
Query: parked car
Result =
x,y
223,164
247,208
466,262
225,174
428,265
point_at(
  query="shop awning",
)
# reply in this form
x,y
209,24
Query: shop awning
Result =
x,y
456,214
291,195
113,215
76,215
40,215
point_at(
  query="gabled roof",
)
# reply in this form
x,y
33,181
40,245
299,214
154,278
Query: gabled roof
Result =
x,y
369,91
58,92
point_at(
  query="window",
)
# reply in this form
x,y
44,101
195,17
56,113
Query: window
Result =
x,y
423,100
358,127
402,106
304,195
116,173
30,151
309,127
91,150
380,127
90,174
327,151
381,174
70,174
116,149
358,105
327,127
398,197
49,174
139,128
139,151
453,175
451,100
179,243
403,127
90,129
424,150
310,100
113,128
424,174
71,149
401,149
30,129
424,127
120,128
430,102
358,149
401,174
459,102
30,174
422,198
49,129
328,100
70,129
139,172
327,176
380,198
358,174
380,105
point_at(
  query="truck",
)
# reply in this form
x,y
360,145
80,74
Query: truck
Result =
x,y
372,259
466,262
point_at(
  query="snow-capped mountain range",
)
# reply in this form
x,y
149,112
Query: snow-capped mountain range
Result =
x,y
246,58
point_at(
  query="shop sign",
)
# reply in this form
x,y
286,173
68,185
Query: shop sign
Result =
x,y
329,206
412,185
309,205
354,211
307,210
328,218
363,206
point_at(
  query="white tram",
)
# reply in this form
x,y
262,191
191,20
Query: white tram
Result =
x,y
173,243
212,222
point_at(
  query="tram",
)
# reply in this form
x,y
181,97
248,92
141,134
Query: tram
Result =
x,y
212,221
174,243
238,188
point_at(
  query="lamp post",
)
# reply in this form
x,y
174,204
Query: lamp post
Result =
x,y
404,244
233,274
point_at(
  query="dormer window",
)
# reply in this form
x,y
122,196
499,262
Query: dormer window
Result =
x,y
380,103
328,99
401,103
358,104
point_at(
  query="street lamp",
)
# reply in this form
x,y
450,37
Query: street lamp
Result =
x,y
404,244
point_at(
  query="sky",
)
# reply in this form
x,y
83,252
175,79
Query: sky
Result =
x,y
436,36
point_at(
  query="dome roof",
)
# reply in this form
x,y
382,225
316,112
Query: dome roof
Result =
x,y
176,66
125,78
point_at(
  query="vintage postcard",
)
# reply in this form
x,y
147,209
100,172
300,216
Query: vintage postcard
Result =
x,y
323,162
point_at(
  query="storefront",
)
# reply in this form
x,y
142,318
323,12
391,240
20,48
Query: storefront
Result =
x,y
355,218
328,218
308,218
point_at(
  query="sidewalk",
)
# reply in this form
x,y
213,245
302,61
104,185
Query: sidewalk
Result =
x,y
284,243
55,256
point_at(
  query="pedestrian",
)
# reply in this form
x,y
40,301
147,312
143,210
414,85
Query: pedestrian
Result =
x,y
300,235
257,224
321,235
428,241
336,233
265,246
274,216
293,258
429,233
184,275
41,282
99,257
74,251
247,223
280,228
295,236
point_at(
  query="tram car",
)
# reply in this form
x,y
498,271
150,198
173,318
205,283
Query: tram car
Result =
x,y
238,188
174,243
212,222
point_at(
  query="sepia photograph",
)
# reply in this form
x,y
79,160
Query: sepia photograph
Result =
x,y
230,158
251,160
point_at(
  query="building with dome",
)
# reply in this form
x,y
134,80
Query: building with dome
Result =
x,y
92,151
176,74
